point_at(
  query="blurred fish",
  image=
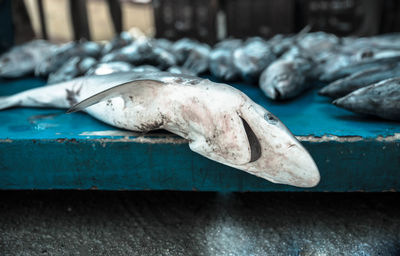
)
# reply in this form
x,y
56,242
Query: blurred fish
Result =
x,y
282,43
74,67
163,43
346,85
381,99
358,67
21,60
161,58
221,60
286,78
109,68
192,55
197,61
180,70
182,49
144,68
142,52
134,53
53,62
252,58
121,40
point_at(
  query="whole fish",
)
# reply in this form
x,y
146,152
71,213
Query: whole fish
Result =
x,y
121,40
221,60
21,60
74,67
219,121
358,67
252,58
286,78
346,85
381,99
180,70
53,62
109,68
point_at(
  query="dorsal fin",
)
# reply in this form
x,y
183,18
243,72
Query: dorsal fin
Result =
x,y
112,93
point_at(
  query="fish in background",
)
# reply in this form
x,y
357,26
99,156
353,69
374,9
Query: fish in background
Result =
x,y
109,68
182,48
141,52
364,65
145,68
74,67
348,84
380,99
197,61
221,60
21,60
81,49
163,43
252,58
219,121
192,55
180,70
288,76
134,53
119,41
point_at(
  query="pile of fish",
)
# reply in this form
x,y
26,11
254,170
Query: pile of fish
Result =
x,y
284,66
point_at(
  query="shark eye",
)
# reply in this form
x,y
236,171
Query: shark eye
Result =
x,y
255,146
270,118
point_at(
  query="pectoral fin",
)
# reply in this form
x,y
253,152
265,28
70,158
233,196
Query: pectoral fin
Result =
x,y
132,87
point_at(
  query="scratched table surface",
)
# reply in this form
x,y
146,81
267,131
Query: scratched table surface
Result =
x,y
48,149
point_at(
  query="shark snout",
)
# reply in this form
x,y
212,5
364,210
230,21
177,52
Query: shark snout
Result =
x,y
283,159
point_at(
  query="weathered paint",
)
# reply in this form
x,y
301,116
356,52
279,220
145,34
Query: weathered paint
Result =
x,y
45,149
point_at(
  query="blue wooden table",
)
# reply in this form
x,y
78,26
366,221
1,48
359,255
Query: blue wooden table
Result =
x,y
47,149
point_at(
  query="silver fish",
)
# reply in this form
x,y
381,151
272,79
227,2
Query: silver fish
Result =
x,y
252,58
219,121
74,67
358,67
142,52
221,60
82,49
121,40
192,55
346,85
381,99
180,70
182,49
109,68
134,53
21,60
286,78
145,68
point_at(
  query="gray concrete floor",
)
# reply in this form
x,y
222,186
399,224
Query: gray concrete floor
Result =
x,y
194,223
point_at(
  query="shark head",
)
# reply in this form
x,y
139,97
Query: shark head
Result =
x,y
246,136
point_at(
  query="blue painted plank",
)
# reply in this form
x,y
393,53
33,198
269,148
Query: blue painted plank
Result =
x,y
46,149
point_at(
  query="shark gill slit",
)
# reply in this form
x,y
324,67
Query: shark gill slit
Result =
x,y
255,147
